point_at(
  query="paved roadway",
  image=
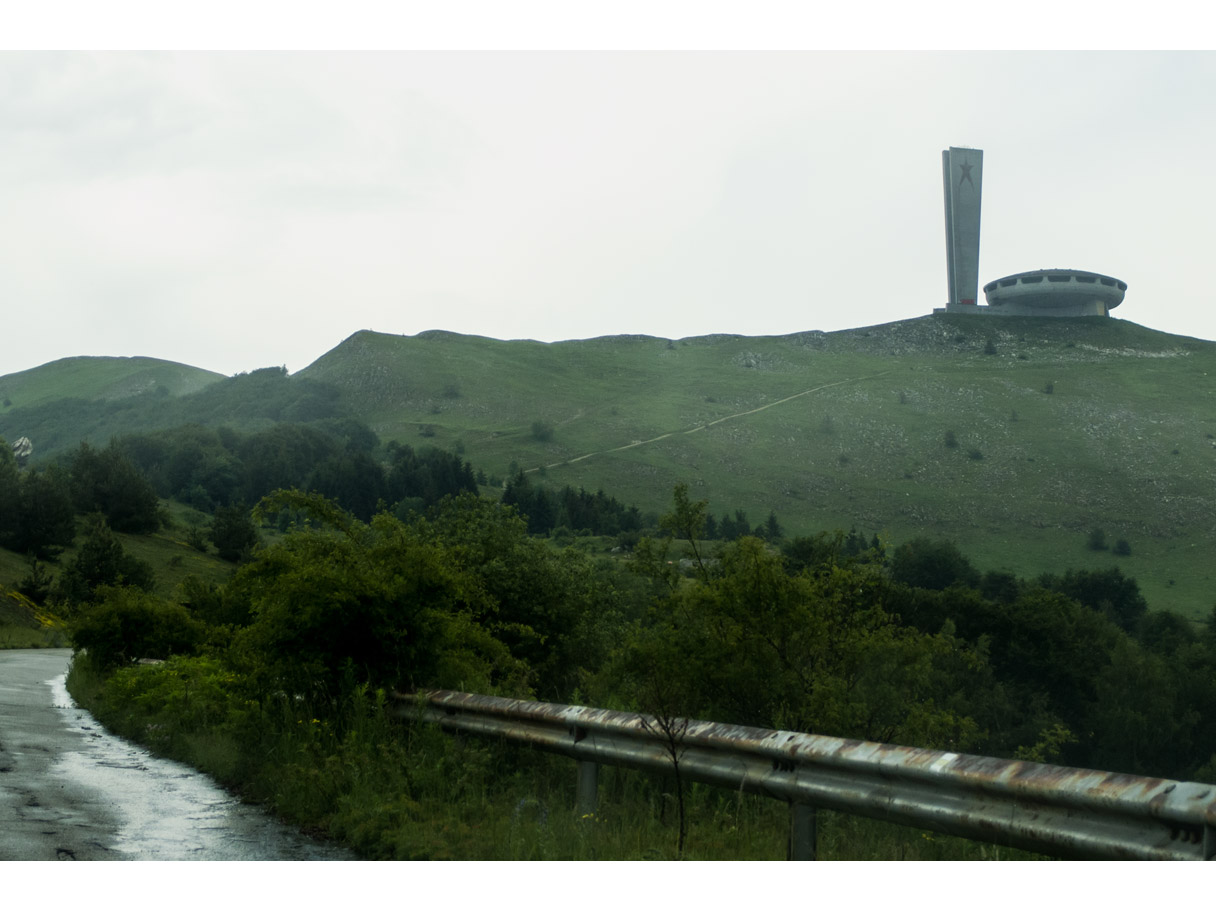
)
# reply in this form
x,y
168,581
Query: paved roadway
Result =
x,y
69,790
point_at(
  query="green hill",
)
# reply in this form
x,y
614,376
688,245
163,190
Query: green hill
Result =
x,y
848,429
1059,427
100,378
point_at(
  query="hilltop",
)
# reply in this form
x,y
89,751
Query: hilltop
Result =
x,y
1016,438
1068,425
102,378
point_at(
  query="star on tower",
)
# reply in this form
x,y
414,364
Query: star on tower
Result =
x,y
966,169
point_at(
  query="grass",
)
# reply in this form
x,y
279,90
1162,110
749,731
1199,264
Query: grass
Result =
x,y
171,558
99,378
837,430
742,420
395,791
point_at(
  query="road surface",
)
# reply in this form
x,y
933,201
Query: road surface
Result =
x,y
69,790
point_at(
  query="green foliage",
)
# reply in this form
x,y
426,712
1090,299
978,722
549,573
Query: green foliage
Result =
x,y
1108,592
101,562
36,513
555,611
108,482
197,539
378,604
951,440
126,624
542,431
1096,540
753,644
38,584
927,564
233,533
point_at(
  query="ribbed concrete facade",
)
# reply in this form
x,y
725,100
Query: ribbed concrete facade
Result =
x,y
1055,293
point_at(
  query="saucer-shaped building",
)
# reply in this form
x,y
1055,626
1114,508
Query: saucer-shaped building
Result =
x,y
1055,293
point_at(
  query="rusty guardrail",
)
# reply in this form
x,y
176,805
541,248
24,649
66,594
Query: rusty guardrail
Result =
x,y
1056,810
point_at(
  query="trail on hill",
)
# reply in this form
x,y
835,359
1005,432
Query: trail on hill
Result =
x,y
701,427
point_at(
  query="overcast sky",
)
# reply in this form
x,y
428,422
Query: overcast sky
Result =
x,y
239,210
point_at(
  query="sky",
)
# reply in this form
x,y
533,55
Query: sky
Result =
x,y
241,209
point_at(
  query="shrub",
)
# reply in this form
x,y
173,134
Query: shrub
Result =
x,y
542,431
951,440
973,453
128,624
1122,548
1096,540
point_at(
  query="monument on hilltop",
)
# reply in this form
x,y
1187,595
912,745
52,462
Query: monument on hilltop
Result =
x,y
963,177
1041,293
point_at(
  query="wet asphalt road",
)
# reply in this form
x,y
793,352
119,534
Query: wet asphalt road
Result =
x,y
69,790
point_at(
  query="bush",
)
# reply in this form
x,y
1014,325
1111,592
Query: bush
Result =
x,y
1122,548
542,431
128,624
951,440
1096,540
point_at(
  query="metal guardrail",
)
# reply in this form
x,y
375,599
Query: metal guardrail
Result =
x,y
1055,810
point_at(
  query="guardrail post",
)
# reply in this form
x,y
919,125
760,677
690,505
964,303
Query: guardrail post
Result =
x,y
588,779
802,832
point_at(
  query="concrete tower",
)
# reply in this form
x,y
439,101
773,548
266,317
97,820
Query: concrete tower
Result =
x,y
963,177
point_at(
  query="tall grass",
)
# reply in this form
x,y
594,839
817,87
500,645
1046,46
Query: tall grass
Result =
x,y
347,770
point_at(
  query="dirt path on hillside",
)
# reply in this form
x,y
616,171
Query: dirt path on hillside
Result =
x,y
701,427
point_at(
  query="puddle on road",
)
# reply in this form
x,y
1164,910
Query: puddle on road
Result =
x,y
170,811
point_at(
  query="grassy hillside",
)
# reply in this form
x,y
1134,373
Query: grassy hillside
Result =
x,y
247,401
171,558
848,429
830,430
100,378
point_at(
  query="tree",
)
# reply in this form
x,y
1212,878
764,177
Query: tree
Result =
x,y
102,561
10,493
233,532
554,610
1108,592
929,564
45,521
687,520
108,482
755,645
376,604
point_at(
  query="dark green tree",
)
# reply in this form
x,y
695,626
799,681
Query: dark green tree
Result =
x,y
101,561
929,564
378,604
108,482
233,532
1106,591
45,521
